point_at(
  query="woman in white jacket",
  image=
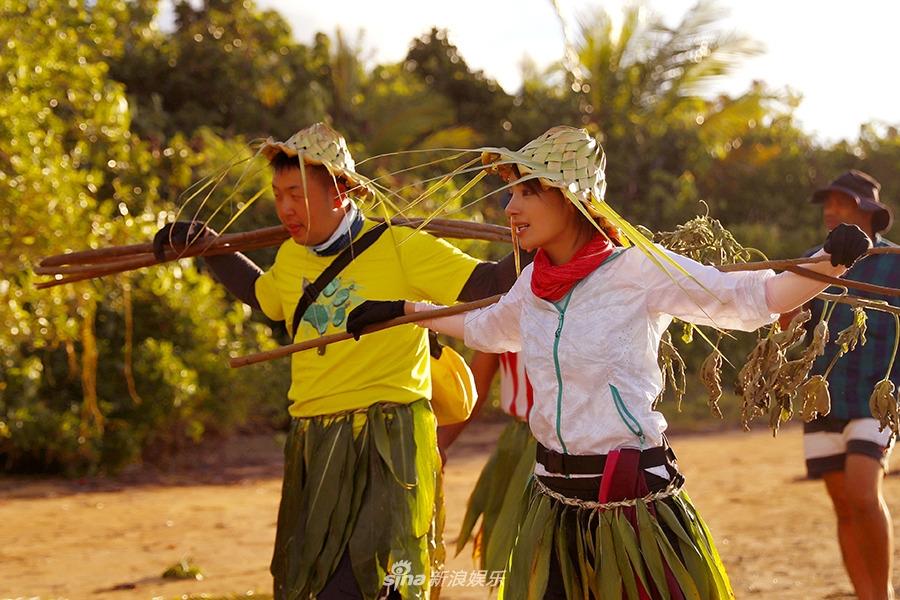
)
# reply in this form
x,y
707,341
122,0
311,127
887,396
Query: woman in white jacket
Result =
x,y
606,513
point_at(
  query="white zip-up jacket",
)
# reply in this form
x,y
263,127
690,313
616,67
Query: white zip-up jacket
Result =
x,y
592,356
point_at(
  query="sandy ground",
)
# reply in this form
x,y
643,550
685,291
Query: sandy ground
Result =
x,y
113,538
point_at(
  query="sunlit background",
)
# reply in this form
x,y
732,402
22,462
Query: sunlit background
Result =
x,y
838,59
118,116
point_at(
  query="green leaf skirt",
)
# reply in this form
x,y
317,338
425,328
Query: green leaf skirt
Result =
x,y
657,548
497,499
364,482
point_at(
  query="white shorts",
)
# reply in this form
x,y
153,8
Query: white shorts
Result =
x,y
827,442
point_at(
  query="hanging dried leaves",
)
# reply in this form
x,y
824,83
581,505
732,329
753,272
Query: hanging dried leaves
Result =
x,y
819,340
883,405
768,382
711,376
705,240
815,398
883,402
855,334
673,370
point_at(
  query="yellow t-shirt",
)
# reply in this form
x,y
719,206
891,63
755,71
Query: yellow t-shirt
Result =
x,y
387,366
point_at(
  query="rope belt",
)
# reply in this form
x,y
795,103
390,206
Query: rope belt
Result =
x,y
671,490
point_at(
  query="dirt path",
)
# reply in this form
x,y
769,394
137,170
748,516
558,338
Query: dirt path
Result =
x,y
96,539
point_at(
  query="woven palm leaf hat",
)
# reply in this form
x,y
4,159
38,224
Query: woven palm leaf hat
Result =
x,y
573,161
319,144
563,157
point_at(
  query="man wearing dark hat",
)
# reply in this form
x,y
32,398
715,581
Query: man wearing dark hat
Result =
x,y
846,448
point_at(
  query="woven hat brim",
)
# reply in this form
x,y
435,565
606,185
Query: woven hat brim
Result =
x,y
492,158
271,148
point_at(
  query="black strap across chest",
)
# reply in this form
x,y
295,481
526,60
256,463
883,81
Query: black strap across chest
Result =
x,y
311,292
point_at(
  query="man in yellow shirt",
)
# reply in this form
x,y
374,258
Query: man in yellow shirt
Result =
x,y
361,460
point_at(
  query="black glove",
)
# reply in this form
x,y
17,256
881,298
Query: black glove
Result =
x,y
846,244
178,235
371,312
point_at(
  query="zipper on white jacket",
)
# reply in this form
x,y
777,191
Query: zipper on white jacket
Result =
x,y
561,309
633,425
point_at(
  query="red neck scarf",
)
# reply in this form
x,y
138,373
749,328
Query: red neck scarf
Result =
x,y
552,282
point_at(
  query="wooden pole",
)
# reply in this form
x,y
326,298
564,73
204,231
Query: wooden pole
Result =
x,y
88,264
250,359
99,254
73,273
847,283
862,302
783,265
775,265
287,350
274,234
137,261
78,266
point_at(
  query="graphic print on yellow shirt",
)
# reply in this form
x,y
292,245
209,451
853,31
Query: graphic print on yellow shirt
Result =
x,y
335,301
387,366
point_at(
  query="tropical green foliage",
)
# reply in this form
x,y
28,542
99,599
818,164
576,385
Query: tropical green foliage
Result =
x,y
96,373
105,120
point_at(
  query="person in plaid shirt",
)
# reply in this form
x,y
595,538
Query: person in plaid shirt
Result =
x,y
846,448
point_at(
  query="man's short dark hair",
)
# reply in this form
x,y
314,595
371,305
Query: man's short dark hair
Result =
x,y
282,162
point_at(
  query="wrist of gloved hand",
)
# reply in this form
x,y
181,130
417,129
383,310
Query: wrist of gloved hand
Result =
x,y
178,236
371,312
846,244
